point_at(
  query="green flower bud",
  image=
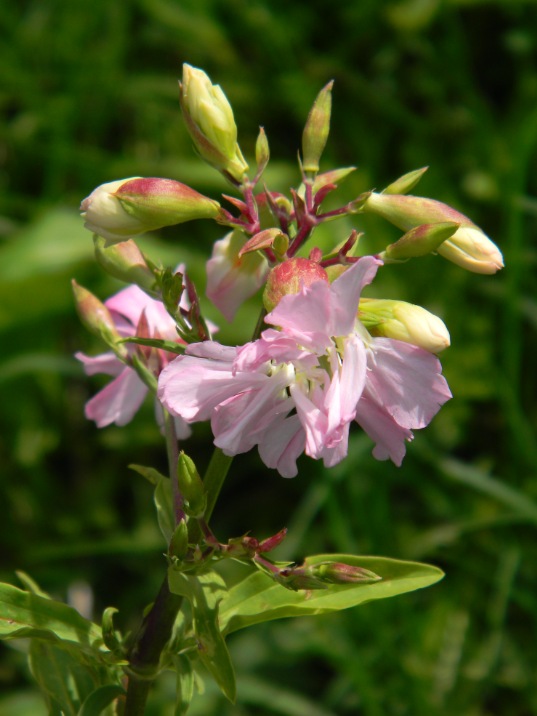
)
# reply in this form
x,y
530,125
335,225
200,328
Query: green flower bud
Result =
x,y
126,262
124,208
468,247
97,319
210,123
404,322
262,152
178,546
316,130
289,277
191,486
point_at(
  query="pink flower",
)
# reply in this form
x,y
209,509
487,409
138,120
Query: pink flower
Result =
x,y
231,279
297,389
134,313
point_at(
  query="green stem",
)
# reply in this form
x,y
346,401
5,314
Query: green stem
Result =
x,y
156,628
152,637
173,454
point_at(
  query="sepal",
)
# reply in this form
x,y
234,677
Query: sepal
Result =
x,y
406,182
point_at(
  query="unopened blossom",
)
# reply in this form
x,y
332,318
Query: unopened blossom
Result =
x,y
232,279
404,321
127,207
122,397
209,119
469,247
298,388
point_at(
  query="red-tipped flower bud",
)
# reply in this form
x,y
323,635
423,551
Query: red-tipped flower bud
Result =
x,y
289,277
126,262
97,319
124,208
468,247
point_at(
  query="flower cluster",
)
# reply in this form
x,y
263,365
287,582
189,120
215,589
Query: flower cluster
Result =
x,y
297,389
325,357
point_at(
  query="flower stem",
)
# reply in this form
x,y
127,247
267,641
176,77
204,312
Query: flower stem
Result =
x,y
151,639
173,453
156,628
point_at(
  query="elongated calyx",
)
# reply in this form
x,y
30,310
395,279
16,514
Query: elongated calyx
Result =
x,y
127,207
469,247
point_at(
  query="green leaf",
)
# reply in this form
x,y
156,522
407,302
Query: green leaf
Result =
x,y
111,637
258,598
31,585
23,614
163,499
185,684
63,680
100,699
150,473
205,592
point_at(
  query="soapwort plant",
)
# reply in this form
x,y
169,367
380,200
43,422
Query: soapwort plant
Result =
x,y
323,359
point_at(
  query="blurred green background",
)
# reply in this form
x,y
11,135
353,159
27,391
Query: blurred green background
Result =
x,y
88,93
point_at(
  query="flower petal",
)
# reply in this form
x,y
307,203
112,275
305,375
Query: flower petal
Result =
x,y
305,316
282,444
106,363
345,294
407,381
381,427
118,401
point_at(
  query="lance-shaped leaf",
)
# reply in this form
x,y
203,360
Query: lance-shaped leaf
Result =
x,y
23,614
205,593
64,681
258,598
184,684
162,497
100,699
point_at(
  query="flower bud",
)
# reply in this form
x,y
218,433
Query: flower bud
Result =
x,y
404,322
469,247
178,546
262,152
97,318
316,130
126,262
191,486
341,573
210,123
127,207
289,277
